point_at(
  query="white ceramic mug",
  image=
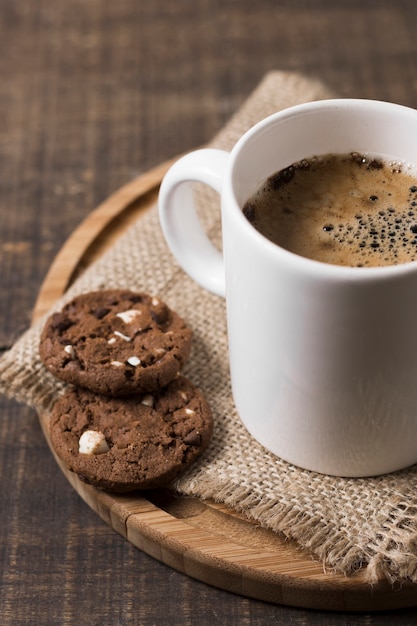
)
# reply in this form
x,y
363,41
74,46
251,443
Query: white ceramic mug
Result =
x,y
323,358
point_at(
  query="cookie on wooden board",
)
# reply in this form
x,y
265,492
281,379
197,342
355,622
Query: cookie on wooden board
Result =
x,y
136,442
115,342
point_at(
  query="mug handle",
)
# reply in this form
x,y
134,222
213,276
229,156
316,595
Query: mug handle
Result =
x,y
180,224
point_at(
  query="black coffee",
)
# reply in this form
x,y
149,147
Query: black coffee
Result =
x,y
349,210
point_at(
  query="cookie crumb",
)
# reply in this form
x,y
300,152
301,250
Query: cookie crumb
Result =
x,y
93,442
128,316
122,336
134,360
148,400
69,349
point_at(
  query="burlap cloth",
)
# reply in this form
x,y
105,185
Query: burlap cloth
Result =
x,y
346,523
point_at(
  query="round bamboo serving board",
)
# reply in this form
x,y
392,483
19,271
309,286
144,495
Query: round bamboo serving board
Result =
x,y
202,539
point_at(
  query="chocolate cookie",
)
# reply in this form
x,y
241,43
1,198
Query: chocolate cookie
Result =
x,y
115,342
135,442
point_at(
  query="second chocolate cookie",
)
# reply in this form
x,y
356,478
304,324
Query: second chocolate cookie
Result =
x,y
135,442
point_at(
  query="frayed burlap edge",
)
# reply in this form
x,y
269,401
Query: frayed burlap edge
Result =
x,y
386,550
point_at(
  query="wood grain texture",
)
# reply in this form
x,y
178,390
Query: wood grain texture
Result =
x,y
92,94
97,233
202,539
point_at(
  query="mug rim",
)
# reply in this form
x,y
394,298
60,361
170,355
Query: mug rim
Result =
x,y
274,250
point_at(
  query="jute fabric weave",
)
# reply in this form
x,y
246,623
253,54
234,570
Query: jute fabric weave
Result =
x,y
346,523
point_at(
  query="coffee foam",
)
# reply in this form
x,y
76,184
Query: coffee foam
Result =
x,y
356,210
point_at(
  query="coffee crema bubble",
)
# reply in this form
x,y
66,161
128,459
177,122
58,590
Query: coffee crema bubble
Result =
x,y
345,209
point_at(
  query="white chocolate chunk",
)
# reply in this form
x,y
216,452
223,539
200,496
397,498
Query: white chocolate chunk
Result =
x,y
189,411
133,360
155,301
129,315
112,340
122,336
69,349
148,400
93,442
117,363
184,395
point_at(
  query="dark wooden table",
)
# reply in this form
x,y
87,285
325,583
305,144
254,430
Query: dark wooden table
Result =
x,y
93,93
